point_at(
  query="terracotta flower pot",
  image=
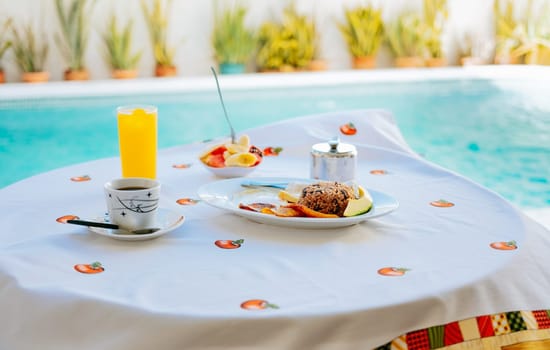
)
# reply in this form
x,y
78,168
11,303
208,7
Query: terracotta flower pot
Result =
x,y
124,73
506,59
317,65
286,68
364,62
2,77
436,62
81,74
409,62
35,77
165,71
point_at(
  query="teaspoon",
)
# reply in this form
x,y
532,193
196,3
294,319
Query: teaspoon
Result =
x,y
111,226
233,137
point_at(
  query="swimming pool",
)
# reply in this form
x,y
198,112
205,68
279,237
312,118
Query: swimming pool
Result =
x,y
489,125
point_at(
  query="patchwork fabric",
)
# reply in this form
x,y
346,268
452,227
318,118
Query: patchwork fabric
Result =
x,y
515,321
473,329
418,340
469,329
485,326
436,335
453,335
543,318
399,343
529,319
500,324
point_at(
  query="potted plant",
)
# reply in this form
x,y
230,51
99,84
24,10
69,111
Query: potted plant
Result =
x,y
405,38
435,15
73,18
271,53
363,31
316,63
506,33
157,21
233,42
289,46
121,59
534,37
470,50
4,46
306,54
30,56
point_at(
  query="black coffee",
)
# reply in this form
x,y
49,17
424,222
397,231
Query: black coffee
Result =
x,y
131,188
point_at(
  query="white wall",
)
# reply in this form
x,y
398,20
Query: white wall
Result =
x,y
191,24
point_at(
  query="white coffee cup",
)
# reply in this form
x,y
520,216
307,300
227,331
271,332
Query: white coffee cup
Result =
x,y
133,202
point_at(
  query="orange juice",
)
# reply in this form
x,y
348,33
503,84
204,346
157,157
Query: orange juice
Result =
x,y
137,136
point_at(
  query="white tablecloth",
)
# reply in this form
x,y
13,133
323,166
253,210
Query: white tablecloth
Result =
x,y
181,291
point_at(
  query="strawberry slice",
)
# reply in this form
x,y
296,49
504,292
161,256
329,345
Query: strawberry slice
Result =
x,y
258,153
214,157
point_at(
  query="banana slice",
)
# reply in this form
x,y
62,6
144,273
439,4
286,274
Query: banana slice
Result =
x,y
233,148
244,140
241,159
226,154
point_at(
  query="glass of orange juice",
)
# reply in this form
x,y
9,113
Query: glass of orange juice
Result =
x,y
137,136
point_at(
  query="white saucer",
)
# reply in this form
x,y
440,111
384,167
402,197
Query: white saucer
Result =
x,y
167,221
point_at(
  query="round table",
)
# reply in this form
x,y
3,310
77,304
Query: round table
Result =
x,y
453,250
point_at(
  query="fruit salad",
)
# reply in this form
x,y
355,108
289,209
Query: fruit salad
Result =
x,y
240,154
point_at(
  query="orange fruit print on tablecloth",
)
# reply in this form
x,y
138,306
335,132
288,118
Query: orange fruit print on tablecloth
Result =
x,y
441,203
229,244
181,166
81,178
392,271
272,151
257,304
348,129
187,201
92,268
510,245
63,219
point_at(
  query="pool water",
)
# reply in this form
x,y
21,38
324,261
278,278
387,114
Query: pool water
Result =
x,y
495,132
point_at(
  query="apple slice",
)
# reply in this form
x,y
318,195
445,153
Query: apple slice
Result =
x,y
360,205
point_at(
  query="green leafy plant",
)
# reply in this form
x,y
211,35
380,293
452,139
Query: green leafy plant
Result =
x,y
118,44
5,43
156,18
533,35
232,40
363,30
435,15
30,55
291,44
75,27
506,28
405,35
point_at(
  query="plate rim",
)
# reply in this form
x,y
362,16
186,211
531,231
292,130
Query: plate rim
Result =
x,y
106,232
301,222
